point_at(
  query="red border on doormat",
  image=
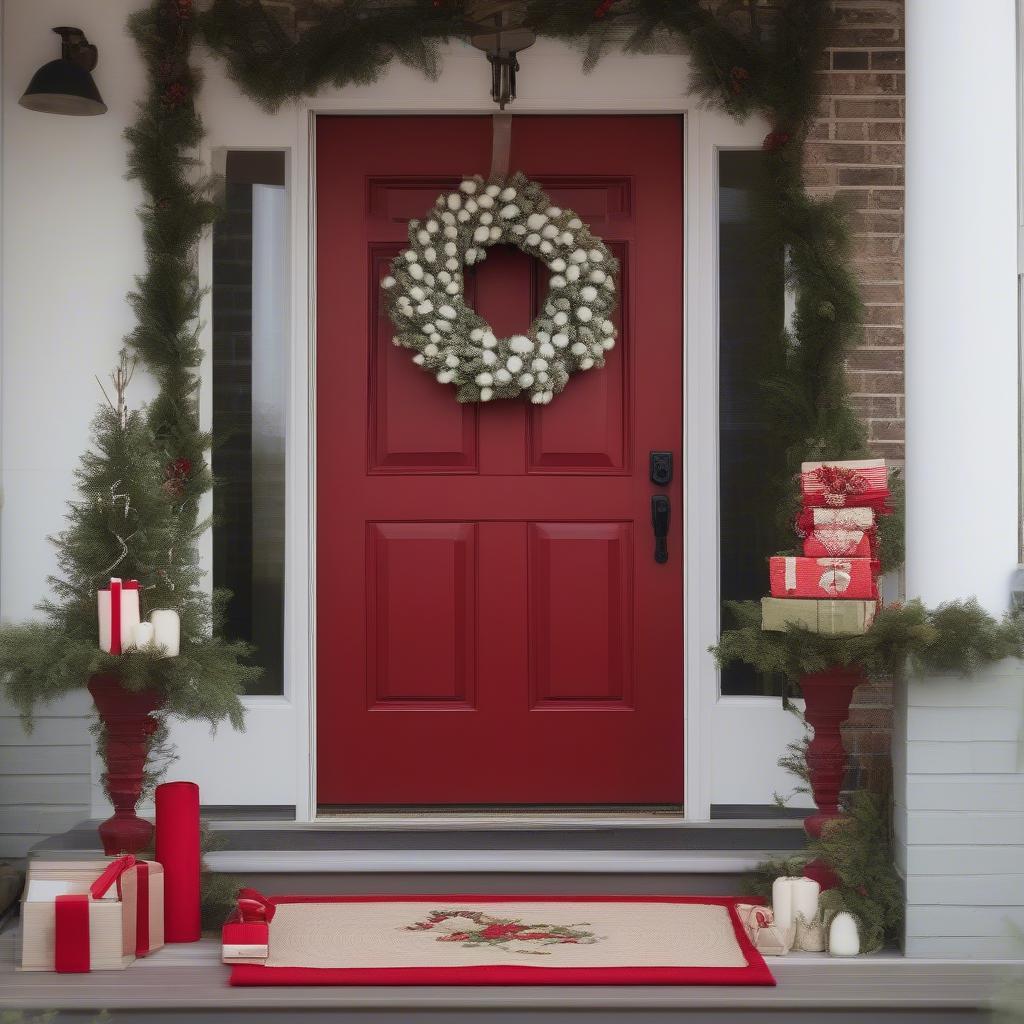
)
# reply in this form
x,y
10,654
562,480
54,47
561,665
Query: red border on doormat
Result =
x,y
755,973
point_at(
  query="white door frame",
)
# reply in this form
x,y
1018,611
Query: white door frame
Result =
x,y
274,761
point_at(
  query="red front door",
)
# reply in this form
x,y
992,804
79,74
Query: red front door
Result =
x,y
492,627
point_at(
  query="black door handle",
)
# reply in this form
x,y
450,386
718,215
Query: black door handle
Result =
x,y
661,513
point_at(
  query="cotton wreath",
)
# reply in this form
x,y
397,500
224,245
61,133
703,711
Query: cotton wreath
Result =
x,y
453,342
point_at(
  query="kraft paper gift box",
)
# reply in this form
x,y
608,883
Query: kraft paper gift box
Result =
x,y
823,577
856,482
836,618
90,915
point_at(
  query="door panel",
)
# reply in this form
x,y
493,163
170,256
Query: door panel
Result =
x,y
492,627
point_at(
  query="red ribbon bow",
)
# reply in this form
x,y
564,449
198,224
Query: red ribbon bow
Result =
x,y
253,907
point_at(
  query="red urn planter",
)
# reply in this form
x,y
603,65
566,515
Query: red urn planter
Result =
x,y
125,715
827,697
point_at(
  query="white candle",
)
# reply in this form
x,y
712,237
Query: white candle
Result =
x,y
782,903
843,939
805,898
167,630
142,636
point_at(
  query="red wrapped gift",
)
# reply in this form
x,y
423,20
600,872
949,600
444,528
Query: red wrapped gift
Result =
x,y
838,532
857,482
245,936
823,577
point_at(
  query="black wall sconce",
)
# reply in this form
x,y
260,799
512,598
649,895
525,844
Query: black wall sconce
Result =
x,y
65,85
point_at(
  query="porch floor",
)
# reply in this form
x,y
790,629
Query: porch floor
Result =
x,y
188,982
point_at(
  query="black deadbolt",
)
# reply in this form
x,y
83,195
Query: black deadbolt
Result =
x,y
661,468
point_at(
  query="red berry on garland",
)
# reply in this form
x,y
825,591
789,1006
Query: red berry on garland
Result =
x,y
176,474
738,78
603,8
183,9
774,141
175,94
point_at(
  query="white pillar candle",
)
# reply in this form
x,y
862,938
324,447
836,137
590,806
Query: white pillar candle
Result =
x,y
805,897
143,634
843,939
167,631
782,903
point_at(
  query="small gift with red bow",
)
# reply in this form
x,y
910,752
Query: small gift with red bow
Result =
x,y
93,915
856,483
837,532
245,937
119,615
824,578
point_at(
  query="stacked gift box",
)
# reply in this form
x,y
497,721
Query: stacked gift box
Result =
x,y
833,586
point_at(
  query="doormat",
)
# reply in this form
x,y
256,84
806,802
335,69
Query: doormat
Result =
x,y
490,940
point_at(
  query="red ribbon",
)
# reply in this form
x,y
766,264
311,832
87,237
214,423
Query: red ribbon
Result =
x,y
142,909
254,906
71,934
116,586
113,872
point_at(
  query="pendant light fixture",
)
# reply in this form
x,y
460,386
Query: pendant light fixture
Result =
x,y
65,85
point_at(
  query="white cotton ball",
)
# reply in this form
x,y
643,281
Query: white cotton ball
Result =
x,y
446,377
586,364
450,249
447,312
451,231
598,276
510,212
539,364
508,194
514,363
425,307
454,201
453,288
533,239
451,264
573,273
486,218
608,344
584,314
470,256
543,336
443,325
430,350
433,226
588,293
428,329
417,293
537,398
430,254
542,377
416,271
608,327
561,318
470,206
443,276
548,395
388,282
557,281
422,237
451,360
489,340
550,309
418,359
476,334
468,186
526,380
518,229
549,231
553,212
410,255
547,350
486,202
546,247
483,379
596,256
409,311
578,256
566,238
575,224
520,343
536,221
435,338
502,376
578,348
463,216
492,190
495,233
560,340
557,265
447,218
489,357
428,280
486,394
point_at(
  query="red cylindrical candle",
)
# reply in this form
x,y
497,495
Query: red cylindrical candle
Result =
x,y
177,849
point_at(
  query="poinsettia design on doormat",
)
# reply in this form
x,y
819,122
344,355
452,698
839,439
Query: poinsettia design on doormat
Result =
x,y
474,928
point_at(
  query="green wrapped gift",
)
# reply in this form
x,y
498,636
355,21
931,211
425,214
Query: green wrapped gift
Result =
x,y
835,617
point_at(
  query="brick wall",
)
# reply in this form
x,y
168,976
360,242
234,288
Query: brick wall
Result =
x,y
856,151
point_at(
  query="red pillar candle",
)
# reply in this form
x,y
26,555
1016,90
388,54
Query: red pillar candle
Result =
x,y
177,849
